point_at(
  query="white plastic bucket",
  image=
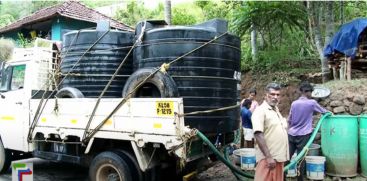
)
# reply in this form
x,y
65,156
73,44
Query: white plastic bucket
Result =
x,y
247,158
315,167
237,156
292,171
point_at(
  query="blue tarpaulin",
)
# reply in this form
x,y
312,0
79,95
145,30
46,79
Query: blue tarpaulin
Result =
x,y
346,39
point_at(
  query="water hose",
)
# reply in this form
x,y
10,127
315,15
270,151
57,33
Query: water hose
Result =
x,y
305,149
221,157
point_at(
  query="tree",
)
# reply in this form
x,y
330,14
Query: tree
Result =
x,y
315,14
6,47
218,9
14,10
271,19
37,4
136,12
253,43
167,11
94,4
6,19
186,14
280,26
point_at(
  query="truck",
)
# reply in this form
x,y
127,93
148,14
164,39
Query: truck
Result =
x,y
144,139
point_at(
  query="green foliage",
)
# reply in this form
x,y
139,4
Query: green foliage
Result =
x,y
352,10
136,12
180,17
292,53
24,42
281,27
218,9
270,18
186,14
14,10
6,47
6,19
183,14
37,4
99,3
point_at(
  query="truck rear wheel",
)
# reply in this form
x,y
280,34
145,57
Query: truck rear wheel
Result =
x,y
5,158
109,166
133,164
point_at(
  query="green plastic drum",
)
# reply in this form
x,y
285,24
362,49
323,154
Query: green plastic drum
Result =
x,y
363,144
339,144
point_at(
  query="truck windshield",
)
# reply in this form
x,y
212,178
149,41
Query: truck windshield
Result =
x,y
17,78
6,74
12,78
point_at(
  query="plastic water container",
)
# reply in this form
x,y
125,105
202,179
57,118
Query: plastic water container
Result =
x,y
292,171
315,167
247,158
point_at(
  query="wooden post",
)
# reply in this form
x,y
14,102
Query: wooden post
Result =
x,y
349,68
341,70
334,72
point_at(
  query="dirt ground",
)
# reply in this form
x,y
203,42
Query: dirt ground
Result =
x,y
220,172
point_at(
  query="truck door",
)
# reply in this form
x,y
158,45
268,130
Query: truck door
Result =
x,y
14,116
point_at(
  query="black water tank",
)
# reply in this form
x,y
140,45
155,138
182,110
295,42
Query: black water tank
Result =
x,y
95,69
206,79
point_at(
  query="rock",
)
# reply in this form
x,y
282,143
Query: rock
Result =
x,y
346,102
324,102
360,100
336,96
355,109
336,103
365,109
350,95
339,109
337,179
329,108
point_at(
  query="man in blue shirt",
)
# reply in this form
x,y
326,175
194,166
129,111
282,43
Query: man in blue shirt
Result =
x,y
246,123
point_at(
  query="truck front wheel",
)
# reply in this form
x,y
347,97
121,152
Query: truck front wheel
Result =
x,y
109,166
5,158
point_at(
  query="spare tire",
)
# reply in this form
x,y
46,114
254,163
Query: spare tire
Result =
x,y
69,92
159,85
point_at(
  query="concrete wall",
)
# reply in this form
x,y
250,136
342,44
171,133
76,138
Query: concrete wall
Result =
x,y
62,25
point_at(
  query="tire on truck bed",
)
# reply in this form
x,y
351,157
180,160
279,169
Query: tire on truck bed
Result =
x,y
69,92
158,85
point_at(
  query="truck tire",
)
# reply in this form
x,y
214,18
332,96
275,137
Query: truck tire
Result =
x,y
136,173
5,158
159,85
69,92
109,166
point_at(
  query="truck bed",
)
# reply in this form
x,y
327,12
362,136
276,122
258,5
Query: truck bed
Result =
x,y
143,120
